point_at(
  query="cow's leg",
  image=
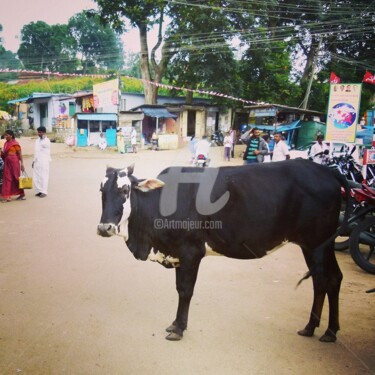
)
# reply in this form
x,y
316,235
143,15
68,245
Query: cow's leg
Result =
x,y
333,290
317,307
326,282
186,276
319,285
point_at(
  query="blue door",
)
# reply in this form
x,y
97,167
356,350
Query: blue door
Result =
x,y
110,135
82,135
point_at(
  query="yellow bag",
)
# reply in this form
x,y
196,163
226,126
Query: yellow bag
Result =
x,y
25,182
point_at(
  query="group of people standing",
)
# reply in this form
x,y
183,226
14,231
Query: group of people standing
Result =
x,y
257,148
11,153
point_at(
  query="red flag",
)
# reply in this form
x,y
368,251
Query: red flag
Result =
x,y
334,78
369,78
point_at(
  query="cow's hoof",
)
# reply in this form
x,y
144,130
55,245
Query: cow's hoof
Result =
x,y
171,328
328,337
173,336
306,332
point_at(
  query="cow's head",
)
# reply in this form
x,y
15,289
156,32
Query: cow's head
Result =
x,y
116,189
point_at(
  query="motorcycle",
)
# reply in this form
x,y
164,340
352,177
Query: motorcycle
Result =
x,y
361,229
347,166
362,238
201,161
217,138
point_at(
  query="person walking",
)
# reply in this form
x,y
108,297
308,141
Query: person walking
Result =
x,y
228,143
256,148
41,162
13,165
133,139
280,151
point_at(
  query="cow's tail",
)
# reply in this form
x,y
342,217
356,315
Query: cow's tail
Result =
x,y
319,251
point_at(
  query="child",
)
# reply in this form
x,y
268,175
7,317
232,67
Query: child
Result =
x,y
227,146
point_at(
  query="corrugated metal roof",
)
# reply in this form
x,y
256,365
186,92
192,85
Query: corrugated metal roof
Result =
x,y
97,116
20,100
158,113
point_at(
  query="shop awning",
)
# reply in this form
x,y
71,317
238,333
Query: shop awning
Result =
x,y
97,116
158,113
281,128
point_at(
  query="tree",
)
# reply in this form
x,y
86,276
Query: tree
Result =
x,y
45,47
142,14
97,45
199,43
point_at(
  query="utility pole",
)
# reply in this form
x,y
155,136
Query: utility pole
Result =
x,y
306,99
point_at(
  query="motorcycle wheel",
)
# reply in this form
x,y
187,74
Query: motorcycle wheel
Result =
x,y
362,245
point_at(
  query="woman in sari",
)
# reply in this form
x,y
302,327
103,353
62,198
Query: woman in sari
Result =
x,y
13,165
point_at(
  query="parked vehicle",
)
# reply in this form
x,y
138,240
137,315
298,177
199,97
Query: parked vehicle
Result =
x,y
336,149
362,244
217,138
361,229
201,161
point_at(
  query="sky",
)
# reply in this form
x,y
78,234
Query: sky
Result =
x,y
14,14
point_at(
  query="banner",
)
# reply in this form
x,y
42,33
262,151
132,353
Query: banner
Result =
x,y
343,112
334,78
106,96
369,78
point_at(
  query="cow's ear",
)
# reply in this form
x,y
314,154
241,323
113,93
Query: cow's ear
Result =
x,y
130,169
150,184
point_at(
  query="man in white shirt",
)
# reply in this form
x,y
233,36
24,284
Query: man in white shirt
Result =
x,y
203,148
42,158
319,150
280,151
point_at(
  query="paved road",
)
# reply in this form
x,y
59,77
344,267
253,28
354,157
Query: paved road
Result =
x,y
75,303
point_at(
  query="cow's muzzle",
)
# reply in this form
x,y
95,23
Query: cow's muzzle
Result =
x,y
106,230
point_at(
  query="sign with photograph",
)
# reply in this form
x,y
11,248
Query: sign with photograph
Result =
x,y
106,96
343,112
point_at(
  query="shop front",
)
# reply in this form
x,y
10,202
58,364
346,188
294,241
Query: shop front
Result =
x,y
89,127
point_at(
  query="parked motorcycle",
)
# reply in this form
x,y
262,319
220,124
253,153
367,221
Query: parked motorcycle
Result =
x,y
217,138
362,238
362,206
347,166
361,229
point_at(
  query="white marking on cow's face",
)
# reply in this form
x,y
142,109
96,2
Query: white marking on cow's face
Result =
x,y
116,216
124,184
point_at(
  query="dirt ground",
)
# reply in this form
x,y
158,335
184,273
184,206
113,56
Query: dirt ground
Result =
x,y
75,303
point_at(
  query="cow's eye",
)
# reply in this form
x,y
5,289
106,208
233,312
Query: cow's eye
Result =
x,y
124,190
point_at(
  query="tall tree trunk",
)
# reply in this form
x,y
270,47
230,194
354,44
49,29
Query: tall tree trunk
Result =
x,y
150,89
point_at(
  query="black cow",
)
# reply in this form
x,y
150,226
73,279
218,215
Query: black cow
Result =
x,y
240,212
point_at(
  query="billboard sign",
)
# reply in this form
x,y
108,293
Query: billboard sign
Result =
x,y
343,112
106,96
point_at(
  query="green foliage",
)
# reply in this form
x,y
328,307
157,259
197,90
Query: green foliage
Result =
x,y
53,85
45,47
97,45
